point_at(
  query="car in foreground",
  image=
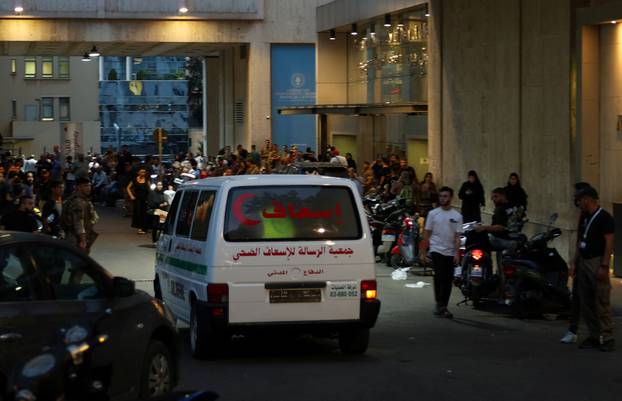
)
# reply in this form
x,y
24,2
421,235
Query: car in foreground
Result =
x,y
46,285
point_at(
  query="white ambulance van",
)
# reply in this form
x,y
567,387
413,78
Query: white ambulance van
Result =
x,y
285,252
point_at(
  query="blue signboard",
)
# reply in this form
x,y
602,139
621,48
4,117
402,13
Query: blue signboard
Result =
x,y
293,84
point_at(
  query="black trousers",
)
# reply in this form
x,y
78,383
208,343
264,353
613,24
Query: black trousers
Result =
x,y
443,277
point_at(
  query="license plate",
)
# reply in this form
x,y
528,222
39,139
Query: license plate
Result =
x,y
303,295
476,271
347,290
457,271
388,238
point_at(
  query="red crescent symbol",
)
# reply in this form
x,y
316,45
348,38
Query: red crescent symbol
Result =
x,y
239,213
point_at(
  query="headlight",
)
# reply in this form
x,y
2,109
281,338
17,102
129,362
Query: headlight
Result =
x,y
39,366
76,334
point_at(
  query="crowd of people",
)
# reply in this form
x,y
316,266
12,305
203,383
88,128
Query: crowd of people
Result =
x,y
56,195
36,187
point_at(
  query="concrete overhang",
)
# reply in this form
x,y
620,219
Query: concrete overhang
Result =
x,y
134,49
134,9
358,109
599,14
342,13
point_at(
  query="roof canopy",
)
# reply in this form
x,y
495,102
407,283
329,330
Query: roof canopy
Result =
x,y
379,109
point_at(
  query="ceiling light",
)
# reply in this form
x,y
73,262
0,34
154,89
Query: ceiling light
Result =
x,y
94,52
332,34
183,10
354,32
614,22
86,57
372,30
427,10
400,23
18,9
387,20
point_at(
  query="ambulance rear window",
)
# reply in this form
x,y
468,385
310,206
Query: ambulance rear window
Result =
x,y
297,213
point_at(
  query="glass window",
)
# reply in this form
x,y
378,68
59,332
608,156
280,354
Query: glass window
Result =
x,y
13,109
13,66
30,112
67,274
63,67
202,215
30,67
47,67
186,211
47,108
172,213
64,113
291,213
14,276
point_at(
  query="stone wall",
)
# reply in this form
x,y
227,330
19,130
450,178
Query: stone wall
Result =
x,y
503,76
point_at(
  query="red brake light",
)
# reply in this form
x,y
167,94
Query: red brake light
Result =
x,y
477,254
217,293
369,289
508,271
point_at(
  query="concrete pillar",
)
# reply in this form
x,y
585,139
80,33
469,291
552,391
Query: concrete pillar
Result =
x,y
259,91
435,89
128,68
101,67
204,104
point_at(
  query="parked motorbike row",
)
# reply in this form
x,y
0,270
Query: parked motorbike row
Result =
x,y
396,232
532,278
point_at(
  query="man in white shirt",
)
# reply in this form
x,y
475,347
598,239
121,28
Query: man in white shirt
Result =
x,y
443,227
30,165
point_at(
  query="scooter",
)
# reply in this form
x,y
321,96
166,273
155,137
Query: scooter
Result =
x,y
406,252
536,275
475,276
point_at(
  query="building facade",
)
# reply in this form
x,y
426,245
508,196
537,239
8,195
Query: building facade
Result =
x,y
526,86
47,98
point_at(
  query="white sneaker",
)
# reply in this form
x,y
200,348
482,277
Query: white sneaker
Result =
x,y
569,338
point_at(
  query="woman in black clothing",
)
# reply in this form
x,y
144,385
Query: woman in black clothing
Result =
x,y
515,193
156,201
473,197
138,191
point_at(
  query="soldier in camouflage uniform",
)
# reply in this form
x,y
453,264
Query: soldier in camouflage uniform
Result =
x,y
79,216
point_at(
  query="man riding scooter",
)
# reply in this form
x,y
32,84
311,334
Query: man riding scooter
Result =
x,y
506,219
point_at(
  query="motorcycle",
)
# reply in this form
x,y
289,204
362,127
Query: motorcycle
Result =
x,y
475,276
406,252
536,275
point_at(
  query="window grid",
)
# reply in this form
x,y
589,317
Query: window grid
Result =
x,y
47,67
30,67
64,109
47,109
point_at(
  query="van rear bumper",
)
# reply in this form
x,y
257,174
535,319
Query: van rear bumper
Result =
x,y
220,321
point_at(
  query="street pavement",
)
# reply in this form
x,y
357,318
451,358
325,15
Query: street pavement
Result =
x,y
480,355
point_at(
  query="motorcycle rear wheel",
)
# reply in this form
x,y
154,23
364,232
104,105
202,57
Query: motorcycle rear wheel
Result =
x,y
397,261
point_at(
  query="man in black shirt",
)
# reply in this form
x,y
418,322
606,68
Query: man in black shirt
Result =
x,y
591,269
22,218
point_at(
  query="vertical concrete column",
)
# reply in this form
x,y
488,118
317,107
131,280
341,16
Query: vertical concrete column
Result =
x,y
101,67
204,103
128,68
588,119
435,89
259,90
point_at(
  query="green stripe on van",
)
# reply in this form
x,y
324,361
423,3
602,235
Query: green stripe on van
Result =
x,y
182,264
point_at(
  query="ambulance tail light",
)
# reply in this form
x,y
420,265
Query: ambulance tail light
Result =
x,y
369,290
217,293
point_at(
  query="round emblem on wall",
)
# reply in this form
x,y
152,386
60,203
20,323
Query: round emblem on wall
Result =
x,y
298,80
